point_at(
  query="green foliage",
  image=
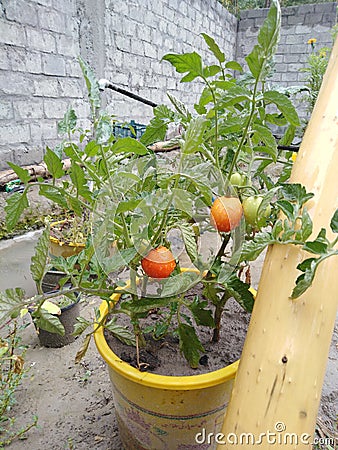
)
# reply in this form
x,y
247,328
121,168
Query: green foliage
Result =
x,y
260,59
315,69
137,203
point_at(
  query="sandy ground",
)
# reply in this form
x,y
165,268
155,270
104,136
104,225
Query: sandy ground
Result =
x,y
73,402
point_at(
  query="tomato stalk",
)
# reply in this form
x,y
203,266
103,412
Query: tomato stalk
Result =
x,y
218,316
246,130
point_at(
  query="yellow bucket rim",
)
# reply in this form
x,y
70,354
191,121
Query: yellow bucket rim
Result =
x,y
61,243
181,383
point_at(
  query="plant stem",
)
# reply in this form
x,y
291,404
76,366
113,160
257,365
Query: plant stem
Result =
x,y
247,127
218,316
216,124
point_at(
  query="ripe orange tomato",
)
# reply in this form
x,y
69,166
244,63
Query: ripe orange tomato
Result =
x,y
226,213
159,263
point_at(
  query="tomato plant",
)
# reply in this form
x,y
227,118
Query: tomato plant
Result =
x,y
138,199
159,263
226,213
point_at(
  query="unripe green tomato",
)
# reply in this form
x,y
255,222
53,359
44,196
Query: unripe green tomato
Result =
x,y
238,179
250,210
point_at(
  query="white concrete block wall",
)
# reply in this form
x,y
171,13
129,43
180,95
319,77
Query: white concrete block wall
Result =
x,y
142,32
124,41
39,76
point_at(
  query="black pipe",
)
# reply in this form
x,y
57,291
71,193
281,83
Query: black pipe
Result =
x,y
129,94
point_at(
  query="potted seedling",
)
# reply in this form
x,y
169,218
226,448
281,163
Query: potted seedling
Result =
x,y
158,230
68,236
55,308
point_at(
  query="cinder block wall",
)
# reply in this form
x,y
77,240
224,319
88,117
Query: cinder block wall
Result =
x,y
124,41
140,35
39,75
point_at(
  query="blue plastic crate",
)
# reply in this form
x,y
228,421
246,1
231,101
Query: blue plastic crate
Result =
x,y
133,129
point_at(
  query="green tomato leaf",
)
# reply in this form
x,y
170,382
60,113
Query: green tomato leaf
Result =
x,y
288,136
190,63
129,145
11,303
53,194
306,229
287,208
334,222
180,107
194,135
154,132
236,94
234,65
23,174
142,305
189,239
295,192
306,264
260,59
104,130
220,56
15,205
201,315
54,164
305,280
120,332
210,71
181,283
81,325
79,180
119,259
91,83
316,247
252,249
190,344
240,291
49,322
128,205
68,123
39,260
265,135
284,104
91,149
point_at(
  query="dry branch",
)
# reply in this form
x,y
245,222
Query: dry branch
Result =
x,y
35,171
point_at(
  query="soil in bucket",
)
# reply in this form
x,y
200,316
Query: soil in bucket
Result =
x,y
163,356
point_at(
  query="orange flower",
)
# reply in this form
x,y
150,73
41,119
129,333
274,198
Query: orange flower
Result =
x,y
312,41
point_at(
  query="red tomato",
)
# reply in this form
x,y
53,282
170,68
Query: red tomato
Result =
x,y
159,263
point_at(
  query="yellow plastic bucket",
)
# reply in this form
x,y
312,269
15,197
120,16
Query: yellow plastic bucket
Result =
x,y
59,248
156,412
